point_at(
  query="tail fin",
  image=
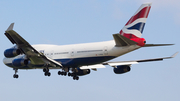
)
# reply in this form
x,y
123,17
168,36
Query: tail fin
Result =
x,y
134,27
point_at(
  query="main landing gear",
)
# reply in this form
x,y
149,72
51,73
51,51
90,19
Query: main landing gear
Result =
x,y
16,75
74,75
46,72
62,73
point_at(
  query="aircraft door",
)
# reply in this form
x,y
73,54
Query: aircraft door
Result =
x,y
50,54
105,50
72,52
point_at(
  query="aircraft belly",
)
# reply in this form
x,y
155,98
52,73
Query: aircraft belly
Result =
x,y
73,62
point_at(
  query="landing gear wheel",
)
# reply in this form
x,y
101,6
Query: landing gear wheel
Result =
x,y
45,70
59,72
69,74
64,73
74,78
49,74
77,78
15,76
45,74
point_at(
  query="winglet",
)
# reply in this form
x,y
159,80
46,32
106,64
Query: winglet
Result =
x,y
10,27
174,54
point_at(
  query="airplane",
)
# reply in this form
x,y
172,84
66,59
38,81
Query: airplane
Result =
x,y
79,59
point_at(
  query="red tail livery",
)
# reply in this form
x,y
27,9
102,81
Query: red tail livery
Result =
x,y
134,27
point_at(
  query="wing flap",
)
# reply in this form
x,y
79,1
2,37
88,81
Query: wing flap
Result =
x,y
122,63
10,38
93,67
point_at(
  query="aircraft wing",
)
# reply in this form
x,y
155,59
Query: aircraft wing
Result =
x,y
114,64
36,57
120,63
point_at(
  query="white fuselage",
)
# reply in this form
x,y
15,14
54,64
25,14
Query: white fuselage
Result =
x,y
76,55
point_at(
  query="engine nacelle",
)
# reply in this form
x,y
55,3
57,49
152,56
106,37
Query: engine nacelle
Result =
x,y
122,69
20,62
12,52
81,72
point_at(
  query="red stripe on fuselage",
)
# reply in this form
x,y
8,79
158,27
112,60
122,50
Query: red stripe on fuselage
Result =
x,y
141,14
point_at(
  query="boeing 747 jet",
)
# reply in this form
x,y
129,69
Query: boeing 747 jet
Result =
x,y
79,59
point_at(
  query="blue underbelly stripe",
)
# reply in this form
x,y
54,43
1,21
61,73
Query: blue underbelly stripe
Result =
x,y
74,62
84,61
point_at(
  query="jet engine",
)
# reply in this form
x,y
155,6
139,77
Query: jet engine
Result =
x,y
12,52
20,62
81,72
122,69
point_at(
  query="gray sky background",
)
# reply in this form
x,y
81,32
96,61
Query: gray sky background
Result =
x,y
82,21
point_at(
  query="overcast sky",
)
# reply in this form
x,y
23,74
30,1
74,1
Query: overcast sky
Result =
x,y
83,21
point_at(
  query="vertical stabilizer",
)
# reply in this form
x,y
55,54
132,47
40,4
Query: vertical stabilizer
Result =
x,y
134,27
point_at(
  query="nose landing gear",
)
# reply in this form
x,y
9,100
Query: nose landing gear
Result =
x,y
16,75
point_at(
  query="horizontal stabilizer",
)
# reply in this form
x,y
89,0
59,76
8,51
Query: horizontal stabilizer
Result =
x,y
122,41
151,45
